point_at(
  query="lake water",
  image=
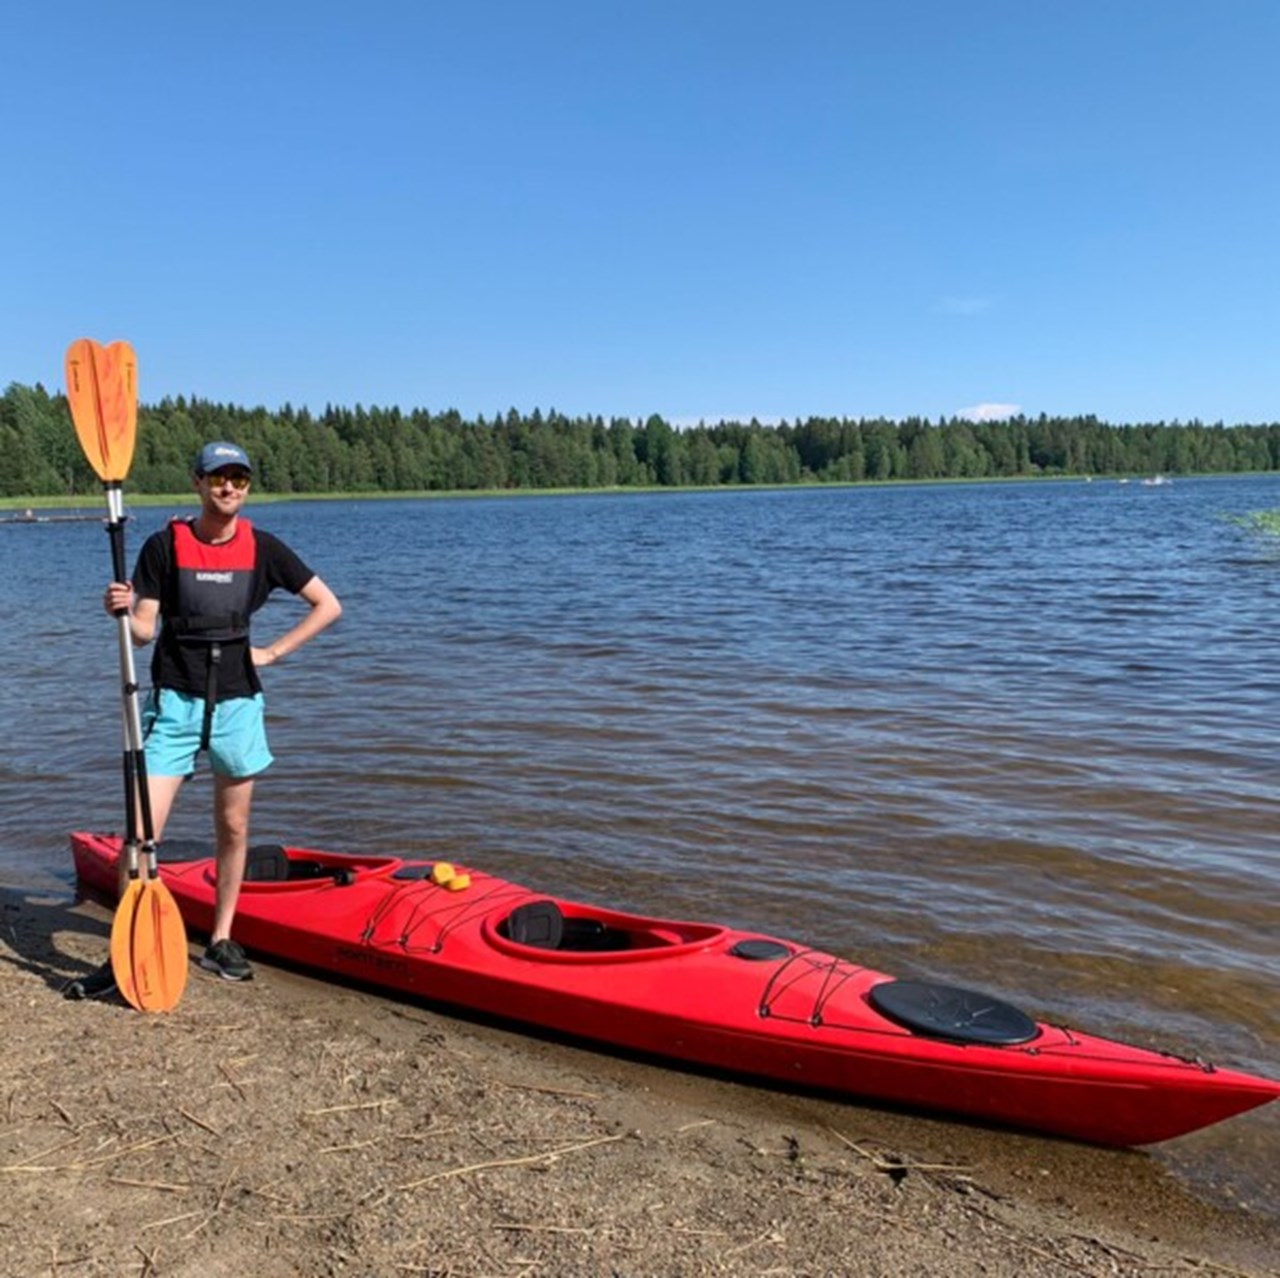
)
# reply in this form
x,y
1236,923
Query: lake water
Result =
x,y
1017,736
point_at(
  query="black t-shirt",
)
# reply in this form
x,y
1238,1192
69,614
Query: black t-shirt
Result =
x,y
184,667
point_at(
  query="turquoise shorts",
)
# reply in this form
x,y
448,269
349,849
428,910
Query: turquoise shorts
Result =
x,y
237,743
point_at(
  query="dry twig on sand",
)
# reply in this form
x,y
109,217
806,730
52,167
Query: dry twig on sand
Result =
x,y
528,1160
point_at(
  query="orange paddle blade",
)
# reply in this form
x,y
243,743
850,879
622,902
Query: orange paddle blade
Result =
x,y
122,927
102,387
159,950
149,947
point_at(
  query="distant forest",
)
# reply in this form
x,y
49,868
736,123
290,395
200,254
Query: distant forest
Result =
x,y
387,450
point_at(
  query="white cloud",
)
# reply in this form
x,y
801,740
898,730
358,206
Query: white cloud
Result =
x,y
990,412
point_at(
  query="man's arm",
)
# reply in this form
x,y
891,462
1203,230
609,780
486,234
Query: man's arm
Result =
x,y
142,604
323,612
143,613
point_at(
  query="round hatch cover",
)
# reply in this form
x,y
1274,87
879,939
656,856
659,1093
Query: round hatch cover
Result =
x,y
760,950
959,1016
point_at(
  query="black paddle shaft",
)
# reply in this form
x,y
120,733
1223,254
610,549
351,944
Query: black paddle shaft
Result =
x,y
115,530
137,796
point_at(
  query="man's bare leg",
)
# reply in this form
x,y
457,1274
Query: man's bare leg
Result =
x,y
232,798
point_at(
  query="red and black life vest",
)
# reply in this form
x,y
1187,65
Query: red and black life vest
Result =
x,y
215,584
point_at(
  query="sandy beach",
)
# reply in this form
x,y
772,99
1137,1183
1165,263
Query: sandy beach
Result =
x,y
292,1127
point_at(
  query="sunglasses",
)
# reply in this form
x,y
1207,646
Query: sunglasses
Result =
x,y
238,482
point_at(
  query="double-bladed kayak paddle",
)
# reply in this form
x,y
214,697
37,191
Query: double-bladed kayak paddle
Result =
x,y
148,940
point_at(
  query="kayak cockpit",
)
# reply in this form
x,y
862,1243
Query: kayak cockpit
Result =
x,y
545,930
272,867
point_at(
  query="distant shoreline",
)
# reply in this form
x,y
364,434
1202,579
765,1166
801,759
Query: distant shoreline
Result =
x,y
81,501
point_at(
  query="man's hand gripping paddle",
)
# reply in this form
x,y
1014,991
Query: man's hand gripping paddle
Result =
x,y
148,940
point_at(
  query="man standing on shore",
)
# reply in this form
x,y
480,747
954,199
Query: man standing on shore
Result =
x,y
198,581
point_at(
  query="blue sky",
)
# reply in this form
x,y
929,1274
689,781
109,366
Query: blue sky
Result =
x,y
699,209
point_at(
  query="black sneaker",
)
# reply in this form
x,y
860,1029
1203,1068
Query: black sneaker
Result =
x,y
100,983
228,960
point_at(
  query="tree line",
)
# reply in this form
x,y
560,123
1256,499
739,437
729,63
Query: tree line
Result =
x,y
387,450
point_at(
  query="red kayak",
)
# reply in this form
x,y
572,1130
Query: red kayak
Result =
x,y
743,1002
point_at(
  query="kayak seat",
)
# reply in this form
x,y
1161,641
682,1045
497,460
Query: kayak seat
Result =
x,y
269,863
543,926
266,863
539,924
953,1015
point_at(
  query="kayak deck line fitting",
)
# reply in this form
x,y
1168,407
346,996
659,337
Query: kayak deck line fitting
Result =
x,y
749,1004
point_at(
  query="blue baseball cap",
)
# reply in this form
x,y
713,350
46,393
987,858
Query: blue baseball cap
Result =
x,y
218,456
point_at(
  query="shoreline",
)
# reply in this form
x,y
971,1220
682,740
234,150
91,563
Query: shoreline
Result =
x,y
292,1126
82,501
